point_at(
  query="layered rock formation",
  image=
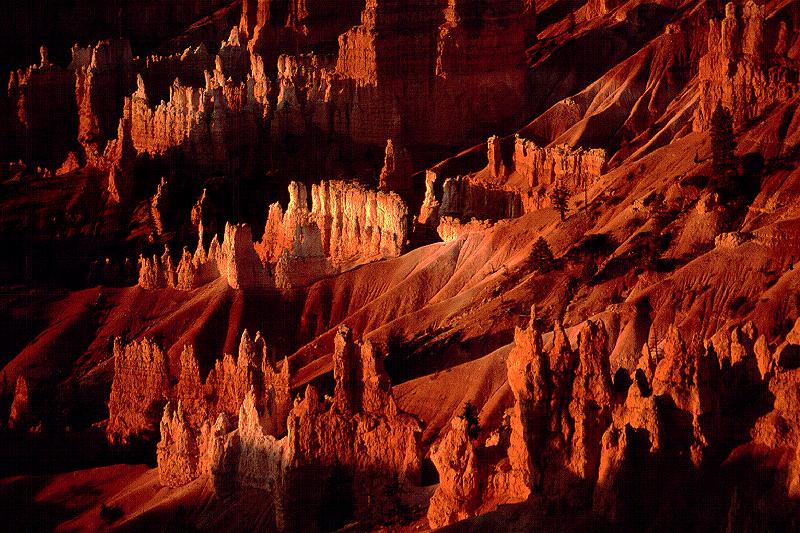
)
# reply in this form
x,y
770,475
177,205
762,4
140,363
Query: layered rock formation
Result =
x,y
215,126
510,186
134,412
43,112
540,168
467,198
159,203
103,78
21,415
138,392
357,100
580,439
160,72
235,260
461,480
397,169
347,224
745,69
563,406
358,436
272,27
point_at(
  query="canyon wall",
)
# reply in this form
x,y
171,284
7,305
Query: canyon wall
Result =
x,y
347,225
579,438
745,69
160,72
410,50
212,118
273,27
356,441
508,187
215,125
103,78
138,392
43,116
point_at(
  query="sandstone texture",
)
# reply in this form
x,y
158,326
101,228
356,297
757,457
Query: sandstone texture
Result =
x,y
283,452
523,267
744,69
138,392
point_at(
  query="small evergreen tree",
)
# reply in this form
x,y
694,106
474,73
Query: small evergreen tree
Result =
x,y
559,197
470,414
541,256
722,142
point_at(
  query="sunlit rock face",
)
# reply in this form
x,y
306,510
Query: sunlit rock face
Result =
x,y
139,391
283,452
745,69
347,225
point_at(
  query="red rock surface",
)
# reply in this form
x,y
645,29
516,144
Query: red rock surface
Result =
x,y
574,292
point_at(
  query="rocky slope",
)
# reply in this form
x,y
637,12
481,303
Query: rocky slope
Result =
x,y
563,235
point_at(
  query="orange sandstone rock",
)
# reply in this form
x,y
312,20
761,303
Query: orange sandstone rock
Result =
x,y
138,392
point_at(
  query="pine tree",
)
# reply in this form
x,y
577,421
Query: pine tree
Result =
x,y
559,197
470,414
541,256
722,142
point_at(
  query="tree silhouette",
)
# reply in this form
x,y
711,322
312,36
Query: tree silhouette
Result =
x,y
723,143
470,414
541,255
559,197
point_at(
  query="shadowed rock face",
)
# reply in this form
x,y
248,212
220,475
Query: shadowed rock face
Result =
x,y
104,77
511,185
579,439
744,69
417,50
289,454
647,214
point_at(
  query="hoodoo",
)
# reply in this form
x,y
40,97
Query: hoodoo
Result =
x,y
371,265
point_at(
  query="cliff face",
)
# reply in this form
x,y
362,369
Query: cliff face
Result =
x,y
134,411
539,169
359,433
347,224
138,392
216,124
745,68
103,78
43,113
235,260
238,261
579,438
160,72
460,479
410,49
397,169
510,185
21,415
276,26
